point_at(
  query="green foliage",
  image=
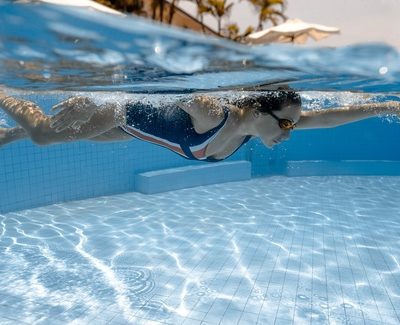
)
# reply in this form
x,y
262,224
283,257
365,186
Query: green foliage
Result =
x,y
269,10
218,9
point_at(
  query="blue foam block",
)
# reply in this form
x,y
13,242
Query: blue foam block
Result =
x,y
189,176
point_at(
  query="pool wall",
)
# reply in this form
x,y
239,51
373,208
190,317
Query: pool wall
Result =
x,y
33,176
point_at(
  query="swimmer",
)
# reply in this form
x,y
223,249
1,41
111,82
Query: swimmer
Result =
x,y
200,128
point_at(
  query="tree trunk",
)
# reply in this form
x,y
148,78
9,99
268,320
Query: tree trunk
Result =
x,y
171,11
154,8
260,24
161,10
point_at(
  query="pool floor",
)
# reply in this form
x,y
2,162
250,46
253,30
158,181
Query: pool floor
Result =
x,y
277,250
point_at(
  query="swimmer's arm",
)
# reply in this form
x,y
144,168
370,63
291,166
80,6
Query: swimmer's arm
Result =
x,y
329,118
204,110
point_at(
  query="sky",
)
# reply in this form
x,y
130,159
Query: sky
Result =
x,y
360,21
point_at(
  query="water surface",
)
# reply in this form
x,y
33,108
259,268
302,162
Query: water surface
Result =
x,y
68,48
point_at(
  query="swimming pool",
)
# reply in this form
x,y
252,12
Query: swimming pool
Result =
x,y
311,238
271,250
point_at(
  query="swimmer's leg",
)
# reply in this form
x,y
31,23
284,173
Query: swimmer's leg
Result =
x,y
39,125
8,135
115,134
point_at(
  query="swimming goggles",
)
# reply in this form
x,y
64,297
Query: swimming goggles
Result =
x,y
284,123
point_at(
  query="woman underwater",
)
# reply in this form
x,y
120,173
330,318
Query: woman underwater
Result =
x,y
201,128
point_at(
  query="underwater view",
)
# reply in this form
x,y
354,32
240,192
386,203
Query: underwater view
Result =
x,y
304,231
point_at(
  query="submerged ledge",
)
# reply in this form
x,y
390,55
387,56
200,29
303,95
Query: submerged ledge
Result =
x,y
171,179
190,176
203,174
343,167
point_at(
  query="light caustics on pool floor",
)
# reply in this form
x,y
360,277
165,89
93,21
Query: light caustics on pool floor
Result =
x,y
268,251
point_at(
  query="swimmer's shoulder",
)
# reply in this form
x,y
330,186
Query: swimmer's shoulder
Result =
x,y
206,111
203,106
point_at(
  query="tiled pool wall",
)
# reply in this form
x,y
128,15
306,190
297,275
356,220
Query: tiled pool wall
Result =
x,y
33,176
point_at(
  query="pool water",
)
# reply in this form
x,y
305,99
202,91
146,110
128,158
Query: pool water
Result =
x,y
276,250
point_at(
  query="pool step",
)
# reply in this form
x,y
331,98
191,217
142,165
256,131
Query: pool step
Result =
x,y
190,176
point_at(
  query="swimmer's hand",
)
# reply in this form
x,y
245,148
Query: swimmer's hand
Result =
x,y
72,112
390,108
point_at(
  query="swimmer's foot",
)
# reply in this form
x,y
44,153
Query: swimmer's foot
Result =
x,y
8,135
2,94
27,114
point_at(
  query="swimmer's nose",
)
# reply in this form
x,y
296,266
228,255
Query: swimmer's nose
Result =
x,y
284,136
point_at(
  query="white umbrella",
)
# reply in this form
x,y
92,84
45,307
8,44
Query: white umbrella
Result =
x,y
84,3
292,30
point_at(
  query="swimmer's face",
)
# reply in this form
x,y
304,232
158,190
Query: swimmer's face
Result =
x,y
273,130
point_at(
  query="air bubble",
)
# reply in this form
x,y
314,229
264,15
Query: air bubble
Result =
x,y
383,70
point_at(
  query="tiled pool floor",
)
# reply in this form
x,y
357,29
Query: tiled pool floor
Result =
x,y
312,250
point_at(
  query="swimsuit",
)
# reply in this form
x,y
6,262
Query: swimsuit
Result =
x,y
171,127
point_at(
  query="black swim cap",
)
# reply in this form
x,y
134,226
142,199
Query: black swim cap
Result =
x,y
269,101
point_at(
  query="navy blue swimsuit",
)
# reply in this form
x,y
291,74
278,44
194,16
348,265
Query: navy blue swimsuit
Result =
x,y
171,127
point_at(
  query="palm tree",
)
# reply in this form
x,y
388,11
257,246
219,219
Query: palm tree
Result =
x,y
232,31
202,9
161,5
219,9
135,6
267,10
171,13
158,4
